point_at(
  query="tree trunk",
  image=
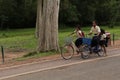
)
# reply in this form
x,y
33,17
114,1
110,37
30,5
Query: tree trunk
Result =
x,y
47,25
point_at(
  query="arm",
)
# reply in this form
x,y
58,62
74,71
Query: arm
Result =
x,y
73,32
90,31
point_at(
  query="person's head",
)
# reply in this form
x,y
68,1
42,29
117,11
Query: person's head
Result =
x,y
94,23
78,27
102,31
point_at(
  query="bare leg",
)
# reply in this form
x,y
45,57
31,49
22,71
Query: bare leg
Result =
x,y
75,48
104,48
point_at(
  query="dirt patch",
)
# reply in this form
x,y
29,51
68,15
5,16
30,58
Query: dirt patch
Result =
x,y
41,59
10,56
116,44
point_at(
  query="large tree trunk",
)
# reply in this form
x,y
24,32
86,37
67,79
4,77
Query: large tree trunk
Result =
x,y
47,25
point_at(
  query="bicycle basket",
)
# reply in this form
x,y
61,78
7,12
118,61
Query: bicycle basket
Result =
x,y
86,41
68,40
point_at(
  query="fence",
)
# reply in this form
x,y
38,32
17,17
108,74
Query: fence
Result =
x,y
2,52
9,55
115,39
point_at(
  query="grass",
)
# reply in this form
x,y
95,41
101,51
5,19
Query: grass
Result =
x,y
35,55
18,39
115,31
24,39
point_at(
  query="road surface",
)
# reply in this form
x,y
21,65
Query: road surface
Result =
x,y
95,68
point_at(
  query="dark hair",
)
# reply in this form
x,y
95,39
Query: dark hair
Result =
x,y
102,31
78,26
95,21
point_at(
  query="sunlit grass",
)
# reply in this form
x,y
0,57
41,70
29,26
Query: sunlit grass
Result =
x,y
24,39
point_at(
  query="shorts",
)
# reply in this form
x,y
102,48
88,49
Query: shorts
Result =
x,y
102,42
78,42
95,41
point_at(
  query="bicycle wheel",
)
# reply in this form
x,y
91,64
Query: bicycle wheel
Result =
x,y
85,52
101,52
67,52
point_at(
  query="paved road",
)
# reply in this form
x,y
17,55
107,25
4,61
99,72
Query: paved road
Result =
x,y
104,68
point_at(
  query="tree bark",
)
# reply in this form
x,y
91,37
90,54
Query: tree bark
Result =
x,y
47,25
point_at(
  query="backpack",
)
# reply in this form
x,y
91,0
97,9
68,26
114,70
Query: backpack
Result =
x,y
83,34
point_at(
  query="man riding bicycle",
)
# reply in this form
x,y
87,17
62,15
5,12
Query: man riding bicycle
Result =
x,y
96,31
98,38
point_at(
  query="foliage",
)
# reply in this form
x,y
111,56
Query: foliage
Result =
x,y
68,12
22,13
19,13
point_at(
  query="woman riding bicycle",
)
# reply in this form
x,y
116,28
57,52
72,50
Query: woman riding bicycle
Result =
x,y
80,34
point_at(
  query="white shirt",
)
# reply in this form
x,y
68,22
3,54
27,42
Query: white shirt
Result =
x,y
78,33
103,37
95,30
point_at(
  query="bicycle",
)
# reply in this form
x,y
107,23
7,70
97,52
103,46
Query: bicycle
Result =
x,y
99,50
69,48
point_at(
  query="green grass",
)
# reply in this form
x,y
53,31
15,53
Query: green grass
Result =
x,y
115,31
24,39
18,39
